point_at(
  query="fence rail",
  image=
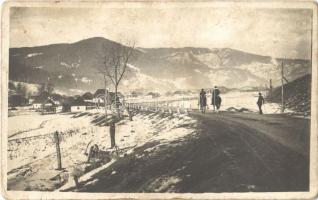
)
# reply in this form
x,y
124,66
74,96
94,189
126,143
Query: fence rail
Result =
x,y
172,106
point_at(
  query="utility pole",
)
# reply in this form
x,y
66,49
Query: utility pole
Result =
x,y
270,87
282,79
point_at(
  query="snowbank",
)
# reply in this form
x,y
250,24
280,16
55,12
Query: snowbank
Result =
x,y
31,154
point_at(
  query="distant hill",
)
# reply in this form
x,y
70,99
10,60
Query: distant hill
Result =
x,y
73,68
297,94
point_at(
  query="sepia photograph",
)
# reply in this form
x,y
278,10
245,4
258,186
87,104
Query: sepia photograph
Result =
x,y
151,99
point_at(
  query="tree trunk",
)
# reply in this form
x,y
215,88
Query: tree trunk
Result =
x,y
112,132
130,115
117,103
105,106
105,100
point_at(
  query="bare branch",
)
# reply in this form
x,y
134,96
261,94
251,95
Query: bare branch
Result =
x,y
109,75
114,64
126,55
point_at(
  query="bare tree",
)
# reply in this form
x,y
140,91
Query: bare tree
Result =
x,y
115,66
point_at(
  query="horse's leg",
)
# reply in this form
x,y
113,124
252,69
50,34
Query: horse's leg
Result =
x,y
218,103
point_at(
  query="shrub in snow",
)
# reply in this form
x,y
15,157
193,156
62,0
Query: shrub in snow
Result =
x,y
64,176
77,171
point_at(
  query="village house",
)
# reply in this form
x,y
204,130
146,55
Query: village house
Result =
x,y
37,105
80,105
67,103
39,100
45,103
89,100
49,106
148,97
99,97
57,104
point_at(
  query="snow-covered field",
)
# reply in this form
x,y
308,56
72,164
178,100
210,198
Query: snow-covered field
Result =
x,y
36,124
32,153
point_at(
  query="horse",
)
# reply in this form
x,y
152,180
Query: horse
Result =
x,y
217,103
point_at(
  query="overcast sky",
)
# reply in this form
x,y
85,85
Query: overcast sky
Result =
x,y
272,32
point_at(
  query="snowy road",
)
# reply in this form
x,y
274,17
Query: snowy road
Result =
x,y
232,152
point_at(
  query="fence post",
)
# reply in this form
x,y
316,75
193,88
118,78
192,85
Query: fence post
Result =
x,y
282,88
89,155
112,131
58,150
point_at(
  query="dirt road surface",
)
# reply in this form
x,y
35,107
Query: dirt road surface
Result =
x,y
232,152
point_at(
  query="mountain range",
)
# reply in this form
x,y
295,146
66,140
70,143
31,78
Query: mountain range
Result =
x,y
74,67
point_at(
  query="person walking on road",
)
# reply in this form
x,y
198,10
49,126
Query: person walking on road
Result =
x,y
202,101
260,102
216,99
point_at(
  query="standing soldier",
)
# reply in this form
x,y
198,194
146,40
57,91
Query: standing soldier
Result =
x,y
215,97
260,102
202,101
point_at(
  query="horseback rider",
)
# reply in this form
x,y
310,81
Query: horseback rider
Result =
x,y
216,99
260,102
202,101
